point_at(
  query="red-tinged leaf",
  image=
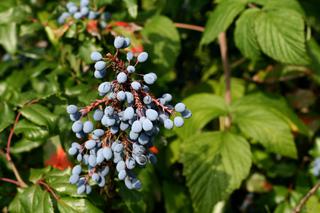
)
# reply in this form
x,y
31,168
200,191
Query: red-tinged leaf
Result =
x,y
154,150
92,26
58,160
121,24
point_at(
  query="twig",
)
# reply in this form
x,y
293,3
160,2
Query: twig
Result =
x,y
10,181
189,27
48,188
227,73
10,136
304,200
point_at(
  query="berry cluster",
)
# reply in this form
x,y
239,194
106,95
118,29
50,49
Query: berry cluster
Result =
x,y
125,121
83,11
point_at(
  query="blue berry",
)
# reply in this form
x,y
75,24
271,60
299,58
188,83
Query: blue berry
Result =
x,y
107,153
178,121
122,77
129,56
186,113
122,174
149,78
128,113
71,109
99,74
131,69
84,11
136,85
168,124
126,42
76,170
142,57
121,95
72,151
96,56
95,177
104,87
100,65
92,15
97,115
121,166
152,114
90,144
84,3
77,126
77,15
147,99
147,125
118,42
136,127
81,189
87,127
74,179
179,107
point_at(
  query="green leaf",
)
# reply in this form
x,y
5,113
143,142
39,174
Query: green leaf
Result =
x,y
264,126
32,199
25,145
163,42
39,115
214,163
37,174
76,205
132,7
281,36
59,180
14,14
204,108
278,106
7,116
221,18
245,36
284,4
31,131
314,52
175,198
8,37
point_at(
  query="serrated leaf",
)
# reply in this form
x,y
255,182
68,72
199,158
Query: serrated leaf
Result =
x,y
8,37
31,131
281,36
204,108
278,106
284,4
221,18
32,199
265,127
245,36
214,163
39,115
76,205
25,145
7,116
163,42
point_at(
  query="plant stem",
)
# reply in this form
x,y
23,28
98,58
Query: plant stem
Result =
x,y
227,73
11,164
48,188
304,200
10,181
189,27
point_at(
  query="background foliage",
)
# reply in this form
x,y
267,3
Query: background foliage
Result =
x,y
265,161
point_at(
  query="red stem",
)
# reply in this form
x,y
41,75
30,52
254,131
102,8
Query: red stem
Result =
x,y
10,181
10,136
189,27
45,185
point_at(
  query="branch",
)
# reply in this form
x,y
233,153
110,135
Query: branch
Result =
x,y
227,73
41,182
189,27
306,198
11,181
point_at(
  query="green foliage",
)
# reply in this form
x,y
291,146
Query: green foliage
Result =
x,y
265,160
